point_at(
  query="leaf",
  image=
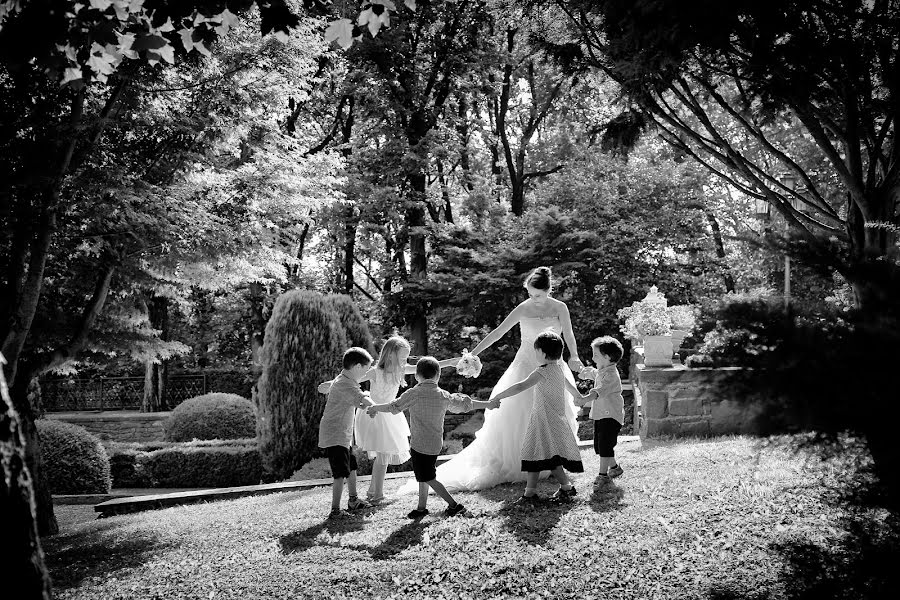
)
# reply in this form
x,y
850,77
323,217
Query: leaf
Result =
x,y
340,31
187,38
101,4
410,4
71,74
364,18
374,26
168,53
167,26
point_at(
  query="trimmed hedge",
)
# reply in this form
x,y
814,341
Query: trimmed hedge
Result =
x,y
212,416
75,461
207,463
304,345
355,326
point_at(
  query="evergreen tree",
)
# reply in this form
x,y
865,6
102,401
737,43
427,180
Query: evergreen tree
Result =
x,y
355,326
304,343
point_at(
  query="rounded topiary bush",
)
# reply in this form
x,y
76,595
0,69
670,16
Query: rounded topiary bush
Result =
x,y
75,461
355,326
303,346
213,416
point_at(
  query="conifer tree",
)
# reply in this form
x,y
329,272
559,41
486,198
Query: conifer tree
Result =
x,y
355,326
304,343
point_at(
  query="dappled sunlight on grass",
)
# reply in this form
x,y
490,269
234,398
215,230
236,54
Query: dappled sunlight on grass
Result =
x,y
728,518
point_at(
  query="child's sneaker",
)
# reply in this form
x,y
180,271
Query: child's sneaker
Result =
x,y
602,479
417,513
563,496
375,501
528,501
357,503
338,513
615,471
454,510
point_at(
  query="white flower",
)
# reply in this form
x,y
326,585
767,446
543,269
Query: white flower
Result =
x,y
469,365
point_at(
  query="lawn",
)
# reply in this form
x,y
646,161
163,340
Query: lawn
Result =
x,y
724,518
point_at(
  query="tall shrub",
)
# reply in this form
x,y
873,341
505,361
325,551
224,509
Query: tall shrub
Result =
x,y
303,346
355,326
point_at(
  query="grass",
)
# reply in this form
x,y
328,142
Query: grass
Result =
x,y
724,518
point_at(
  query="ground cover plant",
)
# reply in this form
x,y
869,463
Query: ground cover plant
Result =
x,y
724,518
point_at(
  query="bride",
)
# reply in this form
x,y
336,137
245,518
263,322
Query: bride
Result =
x,y
495,455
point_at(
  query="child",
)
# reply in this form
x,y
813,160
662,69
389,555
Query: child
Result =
x,y
386,437
549,442
427,404
608,407
336,428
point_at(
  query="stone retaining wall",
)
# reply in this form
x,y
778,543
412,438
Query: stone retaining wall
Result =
x,y
678,401
119,426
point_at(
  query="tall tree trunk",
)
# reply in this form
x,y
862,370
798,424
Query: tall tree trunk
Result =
x,y
156,373
46,518
256,300
445,192
22,566
720,249
351,221
462,128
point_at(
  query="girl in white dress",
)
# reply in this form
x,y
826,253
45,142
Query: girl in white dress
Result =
x,y
386,436
495,456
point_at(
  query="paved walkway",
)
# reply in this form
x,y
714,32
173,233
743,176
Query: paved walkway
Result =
x,y
145,499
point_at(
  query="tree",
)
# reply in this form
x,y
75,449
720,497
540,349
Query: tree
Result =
x,y
731,83
304,345
22,559
49,137
417,63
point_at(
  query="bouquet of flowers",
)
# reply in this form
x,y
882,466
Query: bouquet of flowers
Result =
x,y
469,365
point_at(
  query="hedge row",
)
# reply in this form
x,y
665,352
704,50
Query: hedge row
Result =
x,y
208,463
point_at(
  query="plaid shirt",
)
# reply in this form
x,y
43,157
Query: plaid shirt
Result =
x,y
336,426
610,404
427,404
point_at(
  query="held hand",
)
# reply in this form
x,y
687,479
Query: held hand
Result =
x,y
372,411
587,373
493,404
575,364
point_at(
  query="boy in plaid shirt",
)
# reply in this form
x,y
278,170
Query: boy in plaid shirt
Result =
x,y
427,404
336,428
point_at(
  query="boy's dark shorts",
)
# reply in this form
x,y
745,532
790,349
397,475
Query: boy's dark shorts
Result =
x,y
606,431
341,461
423,466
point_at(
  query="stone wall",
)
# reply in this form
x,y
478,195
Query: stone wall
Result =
x,y
678,401
119,426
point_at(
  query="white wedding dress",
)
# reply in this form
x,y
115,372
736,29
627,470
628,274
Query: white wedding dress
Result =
x,y
495,455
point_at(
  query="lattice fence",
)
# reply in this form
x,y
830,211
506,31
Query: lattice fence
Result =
x,y
113,393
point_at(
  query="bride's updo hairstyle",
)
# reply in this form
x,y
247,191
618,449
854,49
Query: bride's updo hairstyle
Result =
x,y
540,279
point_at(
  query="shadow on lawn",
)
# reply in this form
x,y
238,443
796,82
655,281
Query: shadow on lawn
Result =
x,y
407,536
606,496
862,564
297,541
534,525
98,551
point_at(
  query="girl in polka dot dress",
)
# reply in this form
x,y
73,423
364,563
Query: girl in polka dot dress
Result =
x,y
549,443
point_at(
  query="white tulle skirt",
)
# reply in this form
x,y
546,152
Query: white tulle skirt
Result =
x,y
495,456
386,434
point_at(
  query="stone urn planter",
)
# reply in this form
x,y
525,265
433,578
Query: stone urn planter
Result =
x,y
678,336
658,350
